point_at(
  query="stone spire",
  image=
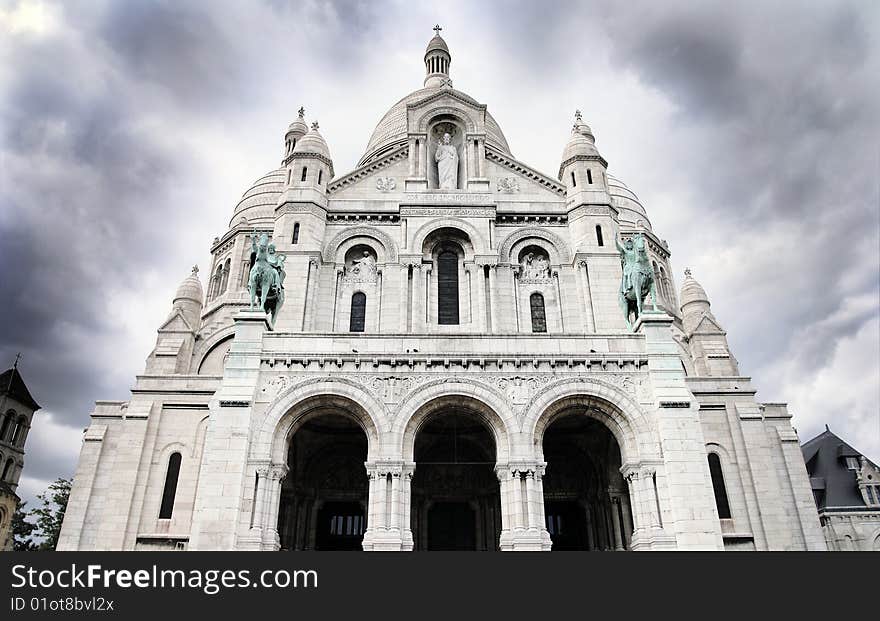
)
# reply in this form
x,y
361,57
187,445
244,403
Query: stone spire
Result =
x,y
694,302
189,298
295,131
437,61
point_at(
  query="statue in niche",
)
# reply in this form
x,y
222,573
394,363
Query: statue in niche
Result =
x,y
535,267
363,269
446,157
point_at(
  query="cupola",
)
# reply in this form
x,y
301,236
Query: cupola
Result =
x,y
437,61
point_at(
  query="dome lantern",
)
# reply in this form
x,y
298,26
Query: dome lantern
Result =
x,y
437,61
295,131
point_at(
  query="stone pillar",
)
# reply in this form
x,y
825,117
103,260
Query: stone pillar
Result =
x,y
615,520
261,483
406,536
418,313
271,539
404,297
494,298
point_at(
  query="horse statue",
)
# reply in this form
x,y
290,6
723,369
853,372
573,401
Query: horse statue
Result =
x,y
638,278
266,278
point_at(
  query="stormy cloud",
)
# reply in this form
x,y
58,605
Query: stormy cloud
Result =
x,y
128,130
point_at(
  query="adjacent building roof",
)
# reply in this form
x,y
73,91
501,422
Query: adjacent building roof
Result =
x,y
826,464
14,387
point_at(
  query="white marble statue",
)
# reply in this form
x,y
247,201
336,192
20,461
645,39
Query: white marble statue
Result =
x,y
447,163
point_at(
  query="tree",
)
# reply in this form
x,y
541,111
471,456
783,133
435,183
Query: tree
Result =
x,y
22,531
50,516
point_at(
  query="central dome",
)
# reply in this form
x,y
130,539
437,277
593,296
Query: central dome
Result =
x,y
392,131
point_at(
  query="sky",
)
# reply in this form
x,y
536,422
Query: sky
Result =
x,y
749,130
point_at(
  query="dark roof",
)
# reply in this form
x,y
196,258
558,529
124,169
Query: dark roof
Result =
x,y
834,483
11,384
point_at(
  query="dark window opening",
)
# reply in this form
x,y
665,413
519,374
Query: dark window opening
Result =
x,y
295,233
320,176
539,317
358,312
447,288
170,490
599,239
305,171
589,176
718,485
573,180
7,469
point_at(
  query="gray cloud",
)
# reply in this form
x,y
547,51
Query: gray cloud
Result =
x,y
129,131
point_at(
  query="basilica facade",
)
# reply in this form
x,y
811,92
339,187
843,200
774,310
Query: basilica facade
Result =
x,y
448,365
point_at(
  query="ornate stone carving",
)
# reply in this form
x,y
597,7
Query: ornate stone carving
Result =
x,y
508,185
534,268
274,385
362,270
519,389
385,184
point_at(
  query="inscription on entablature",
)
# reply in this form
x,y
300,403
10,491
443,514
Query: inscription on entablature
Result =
x,y
451,198
474,212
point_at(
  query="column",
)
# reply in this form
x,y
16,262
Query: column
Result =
x,y
417,312
494,297
647,478
477,289
632,479
271,538
379,285
559,301
395,499
428,315
336,293
259,498
586,297
534,522
515,272
615,521
404,297
407,472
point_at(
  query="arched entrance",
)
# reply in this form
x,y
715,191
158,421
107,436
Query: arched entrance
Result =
x,y
456,503
586,503
324,495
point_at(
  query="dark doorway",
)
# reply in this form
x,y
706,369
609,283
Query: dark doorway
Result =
x,y
324,496
567,525
341,526
583,465
456,504
452,526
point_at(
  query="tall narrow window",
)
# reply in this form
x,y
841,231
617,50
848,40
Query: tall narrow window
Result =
x,y
589,176
170,490
304,172
295,239
18,434
289,172
358,312
227,267
7,423
539,317
718,485
573,180
599,239
447,288
7,469
320,175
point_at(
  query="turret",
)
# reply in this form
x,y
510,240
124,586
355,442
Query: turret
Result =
x,y
294,132
437,61
176,336
706,339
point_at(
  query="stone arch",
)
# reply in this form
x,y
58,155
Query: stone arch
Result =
x,y
387,249
461,113
606,403
439,394
477,240
161,456
558,250
207,346
311,398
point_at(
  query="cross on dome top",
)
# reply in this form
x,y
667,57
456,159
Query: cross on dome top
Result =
x,y
302,112
315,125
437,29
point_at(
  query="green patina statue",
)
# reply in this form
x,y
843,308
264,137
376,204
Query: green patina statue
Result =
x,y
638,277
266,277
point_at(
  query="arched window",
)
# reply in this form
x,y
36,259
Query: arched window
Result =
x,y
539,317
599,239
589,176
216,282
295,239
170,490
718,485
18,434
358,312
7,469
305,171
573,180
447,288
7,423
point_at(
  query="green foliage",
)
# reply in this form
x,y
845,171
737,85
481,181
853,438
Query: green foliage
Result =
x,y
22,531
45,524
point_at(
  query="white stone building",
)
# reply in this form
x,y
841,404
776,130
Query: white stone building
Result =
x,y
450,369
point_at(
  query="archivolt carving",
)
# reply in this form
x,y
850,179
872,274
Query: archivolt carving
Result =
x,y
329,252
557,242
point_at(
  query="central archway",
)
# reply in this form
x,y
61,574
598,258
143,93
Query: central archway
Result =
x,y
456,502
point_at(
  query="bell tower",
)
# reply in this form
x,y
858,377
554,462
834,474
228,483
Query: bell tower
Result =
x,y
437,61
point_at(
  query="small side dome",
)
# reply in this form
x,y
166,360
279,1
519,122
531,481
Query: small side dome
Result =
x,y
190,288
437,43
692,291
578,144
583,128
312,143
